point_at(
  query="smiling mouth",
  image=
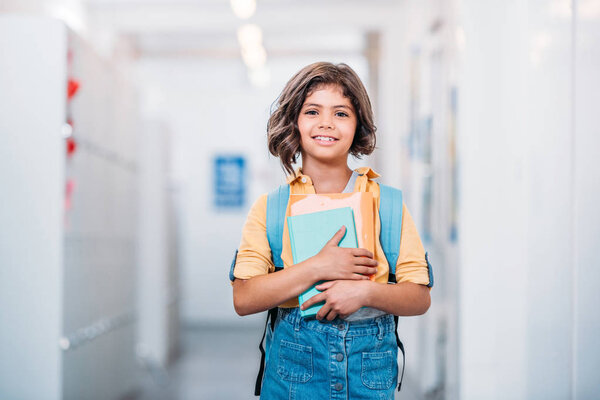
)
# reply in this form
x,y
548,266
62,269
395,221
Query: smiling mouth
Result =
x,y
325,138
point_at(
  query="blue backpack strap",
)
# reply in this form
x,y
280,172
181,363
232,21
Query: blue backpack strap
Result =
x,y
276,206
277,202
390,216
232,267
429,271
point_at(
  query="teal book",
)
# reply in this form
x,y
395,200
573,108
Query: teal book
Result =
x,y
308,235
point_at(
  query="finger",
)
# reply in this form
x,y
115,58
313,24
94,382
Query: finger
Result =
x,y
366,270
322,313
358,277
331,315
325,285
335,240
362,253
313,300
369,262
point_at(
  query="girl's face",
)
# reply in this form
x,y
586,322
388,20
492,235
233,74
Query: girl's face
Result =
x,y
327,123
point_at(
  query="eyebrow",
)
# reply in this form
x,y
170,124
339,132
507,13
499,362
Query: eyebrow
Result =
x,y
319,105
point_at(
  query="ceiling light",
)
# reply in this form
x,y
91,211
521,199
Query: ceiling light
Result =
x,y
243,9
254,57
249,35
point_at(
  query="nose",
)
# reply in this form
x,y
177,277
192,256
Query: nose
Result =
x,y
326,122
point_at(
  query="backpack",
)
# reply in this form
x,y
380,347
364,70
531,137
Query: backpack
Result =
x,y
390,211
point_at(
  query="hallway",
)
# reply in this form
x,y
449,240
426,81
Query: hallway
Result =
x,y
134,143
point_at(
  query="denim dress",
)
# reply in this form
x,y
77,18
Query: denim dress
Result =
x,y
310,359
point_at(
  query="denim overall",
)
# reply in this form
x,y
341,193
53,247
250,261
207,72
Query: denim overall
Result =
x,y
310,359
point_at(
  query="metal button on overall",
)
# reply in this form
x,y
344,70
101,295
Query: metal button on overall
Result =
x,y
338,386
341,327
339,357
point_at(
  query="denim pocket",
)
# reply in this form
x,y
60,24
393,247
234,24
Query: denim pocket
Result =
x,y
377,370
295,362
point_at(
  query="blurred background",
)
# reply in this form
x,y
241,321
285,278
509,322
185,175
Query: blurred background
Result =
x,y
133,142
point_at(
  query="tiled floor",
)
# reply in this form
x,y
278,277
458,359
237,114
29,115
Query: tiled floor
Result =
x,y
215,363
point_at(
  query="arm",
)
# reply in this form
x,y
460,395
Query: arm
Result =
x,y
402,299
344,297
263,292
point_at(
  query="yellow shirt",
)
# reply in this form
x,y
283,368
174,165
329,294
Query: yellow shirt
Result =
x,y
254,253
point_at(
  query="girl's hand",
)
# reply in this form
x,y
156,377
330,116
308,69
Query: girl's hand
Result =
x,y
342,298
334,262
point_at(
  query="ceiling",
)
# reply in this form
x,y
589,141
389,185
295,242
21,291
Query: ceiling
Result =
x,y
164,28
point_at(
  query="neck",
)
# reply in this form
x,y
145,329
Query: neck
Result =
x,y
327,178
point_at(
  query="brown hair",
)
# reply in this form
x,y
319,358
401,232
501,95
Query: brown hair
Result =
x,y
283,135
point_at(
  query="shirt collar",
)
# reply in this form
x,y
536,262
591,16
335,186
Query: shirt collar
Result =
x,y
298,175
368,172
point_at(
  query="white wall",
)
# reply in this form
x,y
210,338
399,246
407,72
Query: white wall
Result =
x,y
31,218
512,313
586,197
68,311
154,290
99,275
494,200
526,133
418,76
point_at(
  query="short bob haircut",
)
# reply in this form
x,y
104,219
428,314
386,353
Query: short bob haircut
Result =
x,y
283,134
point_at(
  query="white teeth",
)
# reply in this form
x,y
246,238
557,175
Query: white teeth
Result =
x,y
324,138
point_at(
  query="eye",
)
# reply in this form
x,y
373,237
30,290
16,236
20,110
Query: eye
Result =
x,y
341,114
310,112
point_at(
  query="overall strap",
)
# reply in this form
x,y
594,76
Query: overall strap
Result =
x,y
277,202
390,217
271,316
401,347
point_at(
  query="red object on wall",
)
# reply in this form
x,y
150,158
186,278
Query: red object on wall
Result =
x,y
69,188
72,88
71,146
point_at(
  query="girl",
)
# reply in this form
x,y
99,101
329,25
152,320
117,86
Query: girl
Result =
x,y
349,351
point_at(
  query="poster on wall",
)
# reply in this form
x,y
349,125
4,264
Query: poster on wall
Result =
x,y
229,181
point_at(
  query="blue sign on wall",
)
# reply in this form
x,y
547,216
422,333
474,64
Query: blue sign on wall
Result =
x,y
230,181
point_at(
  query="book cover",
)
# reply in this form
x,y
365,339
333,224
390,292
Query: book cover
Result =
x,y
308,235
362,205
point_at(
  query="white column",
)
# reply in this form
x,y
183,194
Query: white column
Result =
x,y
529,220
494,198
32,112
586,193
153,250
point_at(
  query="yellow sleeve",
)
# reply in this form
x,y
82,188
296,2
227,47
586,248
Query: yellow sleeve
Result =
x,y
411,265
254,252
